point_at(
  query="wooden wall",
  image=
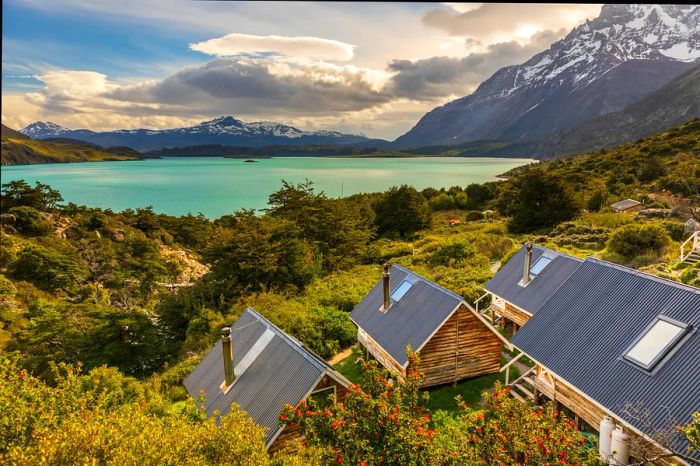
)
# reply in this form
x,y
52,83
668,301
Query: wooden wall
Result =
x,y
561,392
514,314
293,431
463,348
378,353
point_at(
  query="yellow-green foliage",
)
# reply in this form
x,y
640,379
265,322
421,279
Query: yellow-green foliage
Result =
x,y
105,418
23,151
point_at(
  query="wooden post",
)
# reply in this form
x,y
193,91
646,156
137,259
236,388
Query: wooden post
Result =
x,y
535,391
454,381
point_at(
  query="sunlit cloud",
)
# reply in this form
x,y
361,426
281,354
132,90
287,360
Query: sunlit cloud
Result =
x,y
308,47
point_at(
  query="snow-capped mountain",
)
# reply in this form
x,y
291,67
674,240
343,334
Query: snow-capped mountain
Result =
x,y
225,130
601,66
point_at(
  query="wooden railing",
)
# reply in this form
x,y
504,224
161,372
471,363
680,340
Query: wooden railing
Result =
x,y
691,244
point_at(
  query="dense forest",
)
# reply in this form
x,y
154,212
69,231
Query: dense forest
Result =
x,y
105,312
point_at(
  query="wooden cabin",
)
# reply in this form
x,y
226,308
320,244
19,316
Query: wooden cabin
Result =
x,y
525,282
452,341
261,368
610,340
627,205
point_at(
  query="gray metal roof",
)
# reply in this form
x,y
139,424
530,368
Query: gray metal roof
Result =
x,y
410,321
282,372
582,332
532,296
625,204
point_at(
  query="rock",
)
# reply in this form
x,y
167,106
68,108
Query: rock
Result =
x,y
118,236
682,212
691,226
654,213
7,218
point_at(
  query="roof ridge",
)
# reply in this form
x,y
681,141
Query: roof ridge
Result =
x,y
429,282
290,340
559,253
644,275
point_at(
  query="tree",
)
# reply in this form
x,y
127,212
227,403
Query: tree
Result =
x,y
339,229
260,253
47,269
538,200
20,193
401,210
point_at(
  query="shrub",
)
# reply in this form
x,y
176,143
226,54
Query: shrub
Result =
x,y
105,418
30,221
449,254
474,215
637,239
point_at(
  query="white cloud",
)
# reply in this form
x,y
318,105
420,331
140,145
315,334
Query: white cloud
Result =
x,y
288,46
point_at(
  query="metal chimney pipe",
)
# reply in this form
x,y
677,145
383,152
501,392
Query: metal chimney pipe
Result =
x,y
227,345
528,264
387,286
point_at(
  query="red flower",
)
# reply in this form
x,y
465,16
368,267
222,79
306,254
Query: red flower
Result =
x,y
20,374
283,417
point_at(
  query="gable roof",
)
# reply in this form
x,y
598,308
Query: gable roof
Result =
x,y
529,298
625,204
582,332
410,321
271,369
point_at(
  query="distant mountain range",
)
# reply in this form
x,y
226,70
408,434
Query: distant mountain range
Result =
x,y
600,67
225,130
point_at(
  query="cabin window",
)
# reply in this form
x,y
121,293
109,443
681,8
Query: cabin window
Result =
x,y
655,342
324,397
539,265
400,291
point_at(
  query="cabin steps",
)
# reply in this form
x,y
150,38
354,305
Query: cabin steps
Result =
x,y
693,258
517,396
523,388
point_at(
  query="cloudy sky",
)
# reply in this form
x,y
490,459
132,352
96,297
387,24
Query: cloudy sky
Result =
x,y
374,68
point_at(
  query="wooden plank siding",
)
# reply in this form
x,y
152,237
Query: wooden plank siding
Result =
x,y
293,431
378,353
559,391
463,348
513,313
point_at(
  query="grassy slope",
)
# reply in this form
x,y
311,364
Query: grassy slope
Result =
x,y
18,149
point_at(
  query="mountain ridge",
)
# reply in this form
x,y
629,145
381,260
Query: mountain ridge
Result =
x,y
601,66
224,130
674,103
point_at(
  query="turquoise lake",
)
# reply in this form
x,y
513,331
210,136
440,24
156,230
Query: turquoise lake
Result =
x,y
217,186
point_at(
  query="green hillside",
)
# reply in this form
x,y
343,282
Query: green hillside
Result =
x,y
18,149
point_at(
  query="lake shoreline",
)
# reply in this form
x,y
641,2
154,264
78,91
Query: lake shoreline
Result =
x,y
217,186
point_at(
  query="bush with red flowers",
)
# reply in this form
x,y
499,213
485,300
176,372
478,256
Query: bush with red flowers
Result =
x,y
379,423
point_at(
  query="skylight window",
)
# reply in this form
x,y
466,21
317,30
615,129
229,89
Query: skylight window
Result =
x,y
401,290
540,265
655,342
